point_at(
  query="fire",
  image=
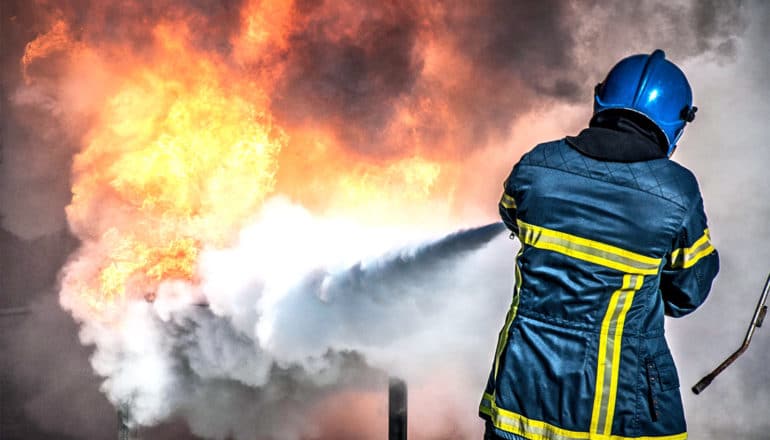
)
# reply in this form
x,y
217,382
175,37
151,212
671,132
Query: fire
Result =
x,y
131,258
183,149
179,159
414,176
56,39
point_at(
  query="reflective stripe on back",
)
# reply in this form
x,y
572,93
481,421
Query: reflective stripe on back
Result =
x,y
633,267
588,250
518,424
608,364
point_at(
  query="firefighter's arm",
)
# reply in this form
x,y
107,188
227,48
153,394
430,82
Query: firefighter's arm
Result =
x,y
691,265
507,206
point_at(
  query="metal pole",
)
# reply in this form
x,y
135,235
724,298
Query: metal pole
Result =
x,y
397,409
756,322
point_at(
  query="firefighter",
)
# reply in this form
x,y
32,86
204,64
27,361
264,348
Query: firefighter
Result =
x,y
613,237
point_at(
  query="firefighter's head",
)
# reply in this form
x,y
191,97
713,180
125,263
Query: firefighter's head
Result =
x,y
654,88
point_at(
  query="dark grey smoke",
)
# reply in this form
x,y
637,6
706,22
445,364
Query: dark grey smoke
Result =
x,y
520,55
204,343
34,158
351,82
213,22
717,24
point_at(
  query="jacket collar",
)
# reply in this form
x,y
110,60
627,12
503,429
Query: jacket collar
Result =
x,y
619,137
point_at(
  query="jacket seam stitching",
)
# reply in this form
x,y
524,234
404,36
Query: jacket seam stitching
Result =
x,y
636,424
681,229
577,326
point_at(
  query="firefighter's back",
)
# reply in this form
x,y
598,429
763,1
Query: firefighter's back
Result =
x,y
582,353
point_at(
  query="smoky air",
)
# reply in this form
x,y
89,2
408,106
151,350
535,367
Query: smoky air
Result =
x,y
238,219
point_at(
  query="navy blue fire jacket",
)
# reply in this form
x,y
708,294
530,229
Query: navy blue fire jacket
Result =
x,y
608,247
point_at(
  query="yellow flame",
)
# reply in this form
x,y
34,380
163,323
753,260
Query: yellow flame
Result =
x,y
180,159
407,180
183,150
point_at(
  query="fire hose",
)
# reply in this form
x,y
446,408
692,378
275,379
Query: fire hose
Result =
x,y
756,322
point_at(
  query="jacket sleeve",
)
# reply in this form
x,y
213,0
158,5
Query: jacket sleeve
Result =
x,y
507,205
691,266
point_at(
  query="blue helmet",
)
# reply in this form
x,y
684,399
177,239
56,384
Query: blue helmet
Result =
x,y
653,87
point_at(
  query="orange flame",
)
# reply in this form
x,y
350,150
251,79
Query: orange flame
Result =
x,y
55,40
179,159
183,150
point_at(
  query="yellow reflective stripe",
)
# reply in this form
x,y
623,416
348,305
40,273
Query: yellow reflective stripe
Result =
x,y
484,409
684,258
518,424
587,250
609,355
598,415
502,339
508,201
514,423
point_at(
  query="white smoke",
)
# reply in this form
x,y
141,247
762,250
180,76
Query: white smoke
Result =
x,y
302,309
726,147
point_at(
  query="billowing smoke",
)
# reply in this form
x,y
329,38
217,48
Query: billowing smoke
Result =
x,y
253,191
271,332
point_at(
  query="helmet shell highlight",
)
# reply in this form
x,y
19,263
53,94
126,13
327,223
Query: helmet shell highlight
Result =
x,y
652,86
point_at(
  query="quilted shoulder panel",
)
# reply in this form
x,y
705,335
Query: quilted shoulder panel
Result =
x,y
661,177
